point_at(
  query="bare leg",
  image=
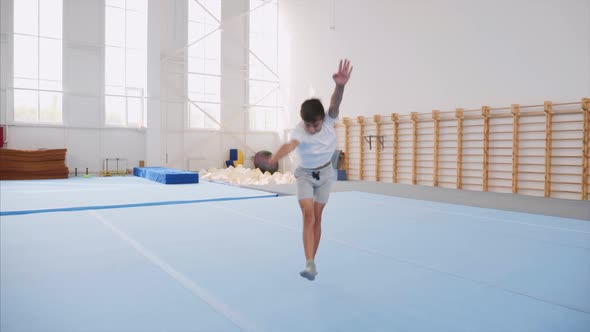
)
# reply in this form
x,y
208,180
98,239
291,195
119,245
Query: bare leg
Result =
x,y
318,208
307,209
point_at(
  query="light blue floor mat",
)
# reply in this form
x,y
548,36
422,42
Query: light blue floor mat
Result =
x,y
385,264
19,197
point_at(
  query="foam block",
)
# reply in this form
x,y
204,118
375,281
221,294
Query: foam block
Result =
x,y
166,175
233,154
236,157
240,160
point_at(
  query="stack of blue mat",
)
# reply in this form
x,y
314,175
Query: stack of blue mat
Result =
x,y
236,157
166,175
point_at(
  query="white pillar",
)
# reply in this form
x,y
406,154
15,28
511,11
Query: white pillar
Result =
x,y
234,64
154,132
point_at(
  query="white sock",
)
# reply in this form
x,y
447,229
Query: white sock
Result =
x,y
310,271
310,267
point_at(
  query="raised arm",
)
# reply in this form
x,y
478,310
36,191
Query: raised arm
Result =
x,y
340,78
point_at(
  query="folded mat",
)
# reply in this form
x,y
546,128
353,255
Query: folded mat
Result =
x,y
33,164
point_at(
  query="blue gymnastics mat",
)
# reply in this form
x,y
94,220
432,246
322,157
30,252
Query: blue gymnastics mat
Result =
x,y
166,175
78,193
385,264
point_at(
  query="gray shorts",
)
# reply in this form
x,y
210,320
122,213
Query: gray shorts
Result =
x,y
315,183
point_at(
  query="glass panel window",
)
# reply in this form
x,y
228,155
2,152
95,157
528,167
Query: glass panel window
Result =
x,y
38,61
204,64
114,26
115,110
49,69
263,85
26,105
50,105
50,22
26,59
26,17
125,62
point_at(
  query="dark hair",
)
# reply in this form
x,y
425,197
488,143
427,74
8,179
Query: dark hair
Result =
x,y
312,110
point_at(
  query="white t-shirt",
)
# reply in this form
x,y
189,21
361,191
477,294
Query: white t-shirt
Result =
x,y
317,149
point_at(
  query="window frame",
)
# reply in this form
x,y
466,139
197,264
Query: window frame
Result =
x,y
125,88
38,81
255,110
215,122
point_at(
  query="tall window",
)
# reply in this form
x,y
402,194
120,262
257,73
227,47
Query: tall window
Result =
x,y
125,62
204,63
264,88
37,69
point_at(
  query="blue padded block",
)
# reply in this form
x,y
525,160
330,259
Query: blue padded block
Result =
x,y
229,163
233,154
166,175
341,175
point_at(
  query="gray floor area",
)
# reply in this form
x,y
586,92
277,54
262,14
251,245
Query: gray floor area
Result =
x,y
564,208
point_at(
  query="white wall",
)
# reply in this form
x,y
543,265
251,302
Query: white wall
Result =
x,y
419,55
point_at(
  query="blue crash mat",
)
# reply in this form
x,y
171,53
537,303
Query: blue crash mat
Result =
x,y
166,175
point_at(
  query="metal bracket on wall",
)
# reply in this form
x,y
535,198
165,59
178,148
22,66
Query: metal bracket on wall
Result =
x,y
369,139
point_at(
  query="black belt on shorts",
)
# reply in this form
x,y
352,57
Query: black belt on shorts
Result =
x,y
323,166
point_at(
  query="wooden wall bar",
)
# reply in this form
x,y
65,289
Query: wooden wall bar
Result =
x,y
361,121
395,119
485,112
436,120
540,150
515,110
459,115
585,146
346,122
377,119
414,117
548,143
